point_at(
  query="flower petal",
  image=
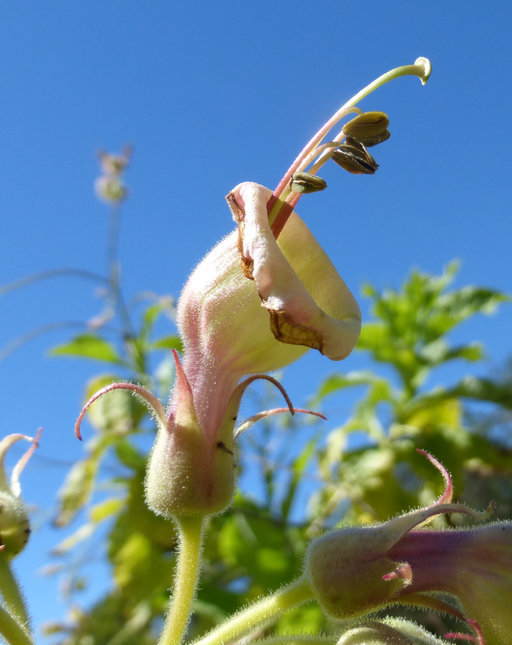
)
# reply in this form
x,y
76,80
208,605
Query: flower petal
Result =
x,y
308,302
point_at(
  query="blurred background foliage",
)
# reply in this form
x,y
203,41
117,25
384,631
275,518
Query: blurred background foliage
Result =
x,y
365,470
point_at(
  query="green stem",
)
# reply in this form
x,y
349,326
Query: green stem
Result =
x,y
272,606
189,555
298,640
12,631
11,591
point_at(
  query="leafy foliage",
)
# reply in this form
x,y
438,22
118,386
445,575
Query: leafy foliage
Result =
x,y
255,546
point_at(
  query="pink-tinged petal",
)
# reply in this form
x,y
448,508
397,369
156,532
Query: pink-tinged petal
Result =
x,y
226,332
307,300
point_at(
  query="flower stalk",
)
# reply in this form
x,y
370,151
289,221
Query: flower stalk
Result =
x,y
12,631
185,582
270,607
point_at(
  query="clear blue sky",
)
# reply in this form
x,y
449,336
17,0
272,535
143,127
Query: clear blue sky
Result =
x,y
211,94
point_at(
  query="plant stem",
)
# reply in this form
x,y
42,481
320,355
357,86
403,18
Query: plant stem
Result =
x,y
272,606
191,533
300,639
11,591
12,631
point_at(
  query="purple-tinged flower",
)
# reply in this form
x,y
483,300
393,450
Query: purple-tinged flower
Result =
x,y
356,570
14,521
255,303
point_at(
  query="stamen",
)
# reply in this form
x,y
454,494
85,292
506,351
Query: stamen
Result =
x,y
402,572
278,213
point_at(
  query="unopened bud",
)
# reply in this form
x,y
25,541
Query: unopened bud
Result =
x,y
369,128
188,473
355,158
305,182
14,524
110,189
346,569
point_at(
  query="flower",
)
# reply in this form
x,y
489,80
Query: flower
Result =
x,y
255,303
14,522
110,186
357,570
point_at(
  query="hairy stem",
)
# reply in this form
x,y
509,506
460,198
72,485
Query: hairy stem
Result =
x,y
12,631
11,592
272,606
185,584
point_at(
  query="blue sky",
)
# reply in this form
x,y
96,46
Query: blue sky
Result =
x,y
211,94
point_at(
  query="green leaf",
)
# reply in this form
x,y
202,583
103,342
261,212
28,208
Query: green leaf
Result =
x,y
128,454
84,532
337,382
89,346
484,390
438,352
78,486
118,412
108,507
164,304
168,342
298,467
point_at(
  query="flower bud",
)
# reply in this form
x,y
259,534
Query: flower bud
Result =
x,y
188,473
110,189
356,570
14,524
354,157
369,128
346,570
14,521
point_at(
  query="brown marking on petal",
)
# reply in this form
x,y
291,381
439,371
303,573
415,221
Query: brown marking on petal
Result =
x,y
238,213
286,330
247,264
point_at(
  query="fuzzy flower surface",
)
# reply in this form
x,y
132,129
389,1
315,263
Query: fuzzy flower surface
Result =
x,y
255,304
261,298
356,570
